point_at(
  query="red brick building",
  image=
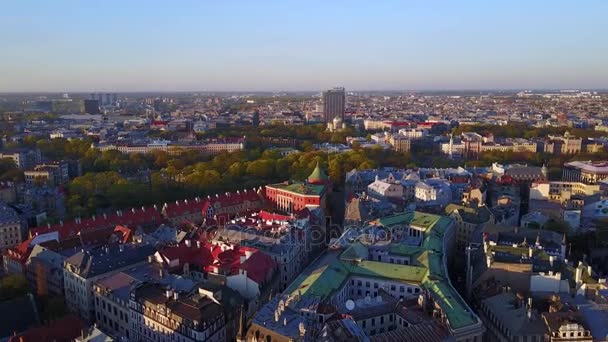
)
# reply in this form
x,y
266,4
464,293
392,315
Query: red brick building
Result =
x,y
293,196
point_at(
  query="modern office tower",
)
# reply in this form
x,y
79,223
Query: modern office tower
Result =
x,y
91,106
333,104
108,99
98,97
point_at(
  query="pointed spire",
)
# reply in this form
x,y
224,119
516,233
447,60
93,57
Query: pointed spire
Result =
x,y
318,176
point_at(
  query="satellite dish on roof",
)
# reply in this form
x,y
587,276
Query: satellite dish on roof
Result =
x,y
350,305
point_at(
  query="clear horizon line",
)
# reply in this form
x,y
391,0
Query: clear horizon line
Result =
x,y
301,90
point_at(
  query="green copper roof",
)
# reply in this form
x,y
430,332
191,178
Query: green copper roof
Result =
x,y
427,268
375,269
300,188
404,250
318,174
417,219
321,282
451,303
356,251
329,278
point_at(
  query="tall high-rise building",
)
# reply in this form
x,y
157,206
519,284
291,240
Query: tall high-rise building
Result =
x,y
107,99
333,104
91,106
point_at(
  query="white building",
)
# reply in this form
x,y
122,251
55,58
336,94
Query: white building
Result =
x,y
433,191
453,147
414,133
85,268
383,189
561,191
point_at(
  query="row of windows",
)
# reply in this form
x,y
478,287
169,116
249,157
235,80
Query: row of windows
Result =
x,y
402,288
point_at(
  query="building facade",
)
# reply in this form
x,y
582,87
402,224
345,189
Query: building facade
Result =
x,y
83,269
334,102
587,172
10,227
24,159
292,196
157,314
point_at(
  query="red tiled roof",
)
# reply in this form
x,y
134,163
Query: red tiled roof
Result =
x,y
265,215
234,198
258,266
66,328
133,217
126,233
95,237
210,257
23,247
185,207
192,255
506,179
146,215
21,252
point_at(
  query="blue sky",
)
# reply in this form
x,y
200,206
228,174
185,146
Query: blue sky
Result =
x,y
301,45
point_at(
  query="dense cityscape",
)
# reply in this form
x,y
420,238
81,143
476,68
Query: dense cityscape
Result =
x,y
304,171
332,216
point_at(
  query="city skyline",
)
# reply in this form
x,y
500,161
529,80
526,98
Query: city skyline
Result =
x,y
271,46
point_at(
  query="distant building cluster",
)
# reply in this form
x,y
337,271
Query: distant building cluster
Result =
x,y
500,252
214,146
